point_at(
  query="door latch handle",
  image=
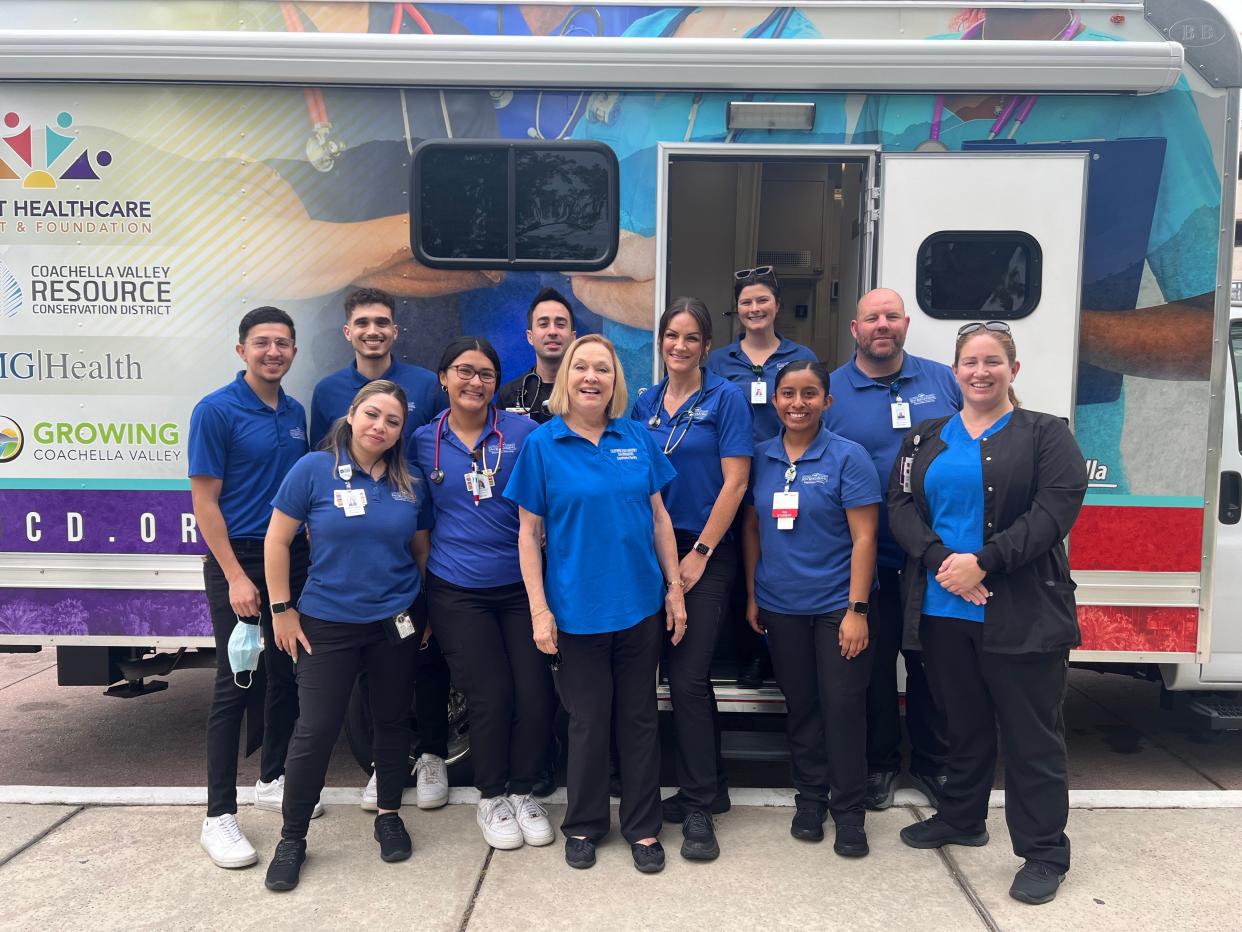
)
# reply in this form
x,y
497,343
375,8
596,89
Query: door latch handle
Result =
x,y
1230,509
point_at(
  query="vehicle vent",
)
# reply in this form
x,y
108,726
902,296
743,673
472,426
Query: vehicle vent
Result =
x,y
786,260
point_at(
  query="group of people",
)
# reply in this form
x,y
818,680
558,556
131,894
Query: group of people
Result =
x,y
558,540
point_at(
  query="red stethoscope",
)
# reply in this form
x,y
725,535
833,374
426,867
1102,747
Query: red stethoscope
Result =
x,y
437,474
323,149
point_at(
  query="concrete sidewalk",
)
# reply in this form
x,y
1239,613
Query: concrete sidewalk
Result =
x,y
140,867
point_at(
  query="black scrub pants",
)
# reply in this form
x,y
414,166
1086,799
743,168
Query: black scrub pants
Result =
x,y
486,638
924,717
272,691
826,702
431,698
325,682
1022,695
700,768
599,672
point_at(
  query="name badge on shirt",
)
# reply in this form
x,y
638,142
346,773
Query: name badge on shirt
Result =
x,y
901,414
479,485
784,509
404,625
353,501
759,392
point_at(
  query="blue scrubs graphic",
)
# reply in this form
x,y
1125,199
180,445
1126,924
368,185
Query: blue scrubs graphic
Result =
x,y
1181,252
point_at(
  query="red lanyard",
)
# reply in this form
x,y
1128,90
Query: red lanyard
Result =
x,y
437,474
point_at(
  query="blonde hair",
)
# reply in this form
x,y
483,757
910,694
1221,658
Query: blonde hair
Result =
x,y
1005,339
338,439
558,401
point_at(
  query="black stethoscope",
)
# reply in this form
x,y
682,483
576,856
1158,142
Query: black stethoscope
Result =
x,y
523,394
685,416
437,474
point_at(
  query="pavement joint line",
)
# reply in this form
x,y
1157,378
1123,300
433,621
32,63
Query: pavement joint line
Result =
x,y
42,835
1155,742
461,795
963,882
50,666
478,886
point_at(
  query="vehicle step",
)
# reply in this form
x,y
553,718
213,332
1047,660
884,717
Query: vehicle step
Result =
x,y
754,745
1219,713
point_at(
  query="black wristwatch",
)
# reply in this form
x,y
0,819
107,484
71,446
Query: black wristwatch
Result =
x,y
700,547
280,607
860,608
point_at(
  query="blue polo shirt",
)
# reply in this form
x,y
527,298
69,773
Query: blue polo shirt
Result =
x,y
806,570
238,439
602,573
335,392
732,363
472,546
953,486
705,429
861,410
361,568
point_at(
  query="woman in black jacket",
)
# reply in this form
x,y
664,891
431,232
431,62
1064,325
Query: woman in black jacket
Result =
x,y
981,502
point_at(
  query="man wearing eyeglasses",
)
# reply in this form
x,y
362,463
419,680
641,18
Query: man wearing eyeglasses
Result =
x,y
371,328
243,438
877,396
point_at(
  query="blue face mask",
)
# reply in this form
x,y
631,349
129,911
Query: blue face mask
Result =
x,y
245,645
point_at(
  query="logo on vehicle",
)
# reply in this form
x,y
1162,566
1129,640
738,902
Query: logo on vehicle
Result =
x,y
10,293
19,160
11,439
1196,32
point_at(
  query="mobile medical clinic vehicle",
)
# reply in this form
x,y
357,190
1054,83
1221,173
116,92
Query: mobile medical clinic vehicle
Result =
x,y
164,166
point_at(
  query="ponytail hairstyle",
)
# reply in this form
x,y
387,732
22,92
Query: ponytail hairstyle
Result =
x,y
818,369
1005,339
341,435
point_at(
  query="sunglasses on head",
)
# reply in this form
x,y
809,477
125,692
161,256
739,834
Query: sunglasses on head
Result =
x,y
998,326
763,271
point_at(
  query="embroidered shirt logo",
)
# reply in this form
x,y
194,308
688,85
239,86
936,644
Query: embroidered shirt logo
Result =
x,y
923,398
297,433
625,453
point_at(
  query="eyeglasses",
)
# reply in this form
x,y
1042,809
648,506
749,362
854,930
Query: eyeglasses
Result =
x,y
466,373
763,271
997,326
264,343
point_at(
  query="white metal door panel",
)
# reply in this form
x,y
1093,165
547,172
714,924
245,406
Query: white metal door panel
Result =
x,y
1042,195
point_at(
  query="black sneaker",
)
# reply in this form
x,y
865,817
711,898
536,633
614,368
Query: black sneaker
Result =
x,y
545,783
285,867
699,837
934,834
750,673
929,786
394,840
648,858
674,807
808,823
881,788
579,852
1036,883
851,841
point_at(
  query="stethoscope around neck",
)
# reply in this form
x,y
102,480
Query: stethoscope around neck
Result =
x,y
523,395
685,416
437,474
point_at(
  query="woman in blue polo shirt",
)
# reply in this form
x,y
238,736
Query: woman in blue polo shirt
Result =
x,y
476,596
810,548
702,422
589,481
361,508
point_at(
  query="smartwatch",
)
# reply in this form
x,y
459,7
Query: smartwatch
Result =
x,y
859,608
700,547
280,607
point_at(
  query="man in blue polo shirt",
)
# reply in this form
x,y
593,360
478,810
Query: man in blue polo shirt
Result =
x,y
371,328
243,438
877,396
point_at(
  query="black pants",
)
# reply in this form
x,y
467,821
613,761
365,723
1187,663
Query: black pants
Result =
x,y
270,704
486,638
700,768
826,700
431,697
325,683
924,717
598,672
1023,695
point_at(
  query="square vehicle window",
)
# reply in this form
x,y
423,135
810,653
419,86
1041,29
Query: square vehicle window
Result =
x,y
970,274
521,205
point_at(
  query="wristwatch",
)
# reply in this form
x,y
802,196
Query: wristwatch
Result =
x,y
280,607
860,608
700,547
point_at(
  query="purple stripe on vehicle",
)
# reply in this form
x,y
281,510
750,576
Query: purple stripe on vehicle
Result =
x,y
103,612
98,521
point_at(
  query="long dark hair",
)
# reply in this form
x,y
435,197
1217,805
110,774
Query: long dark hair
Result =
x,y
696,309
341,435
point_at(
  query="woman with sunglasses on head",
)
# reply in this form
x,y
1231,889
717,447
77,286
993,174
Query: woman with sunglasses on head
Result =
x,y
356,613
703,424
981,502
589,481
810,544
476,596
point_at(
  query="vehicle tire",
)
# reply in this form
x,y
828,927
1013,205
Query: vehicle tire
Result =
x,y
358,727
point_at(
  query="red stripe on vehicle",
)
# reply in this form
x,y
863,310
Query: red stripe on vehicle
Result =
x,y
1145,628
1146,540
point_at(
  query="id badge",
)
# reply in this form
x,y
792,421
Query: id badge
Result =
x,y
901,415
759,392
521,411
784,509
404,625
906,463
478,485
353,501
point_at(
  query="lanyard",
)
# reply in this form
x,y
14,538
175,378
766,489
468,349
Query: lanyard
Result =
x,y
790,475
437,474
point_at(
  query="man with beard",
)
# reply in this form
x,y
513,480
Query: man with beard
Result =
x,y
549,329
877,396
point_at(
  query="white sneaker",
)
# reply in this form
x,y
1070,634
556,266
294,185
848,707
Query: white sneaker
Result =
x,y
500,828
370,795
431,775
224,842
271,796
532,819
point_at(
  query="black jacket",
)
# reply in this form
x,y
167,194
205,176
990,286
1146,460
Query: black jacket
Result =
x,y
1034,481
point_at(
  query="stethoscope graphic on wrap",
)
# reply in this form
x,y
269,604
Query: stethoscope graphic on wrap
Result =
x,y
684,417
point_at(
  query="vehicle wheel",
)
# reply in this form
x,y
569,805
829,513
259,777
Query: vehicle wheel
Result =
x,y
358,727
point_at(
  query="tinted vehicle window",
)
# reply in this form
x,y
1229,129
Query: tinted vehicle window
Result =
x,y
971,274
